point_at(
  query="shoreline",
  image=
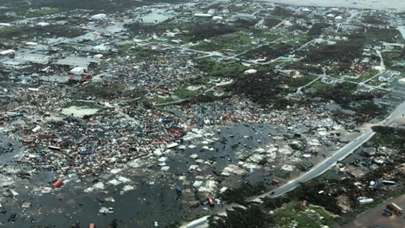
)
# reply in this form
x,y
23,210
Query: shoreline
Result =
x,y
359,4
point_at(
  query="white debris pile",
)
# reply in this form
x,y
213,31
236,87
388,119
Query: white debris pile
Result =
x,y
99,17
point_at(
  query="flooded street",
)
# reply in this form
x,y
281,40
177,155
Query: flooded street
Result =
x,y
151,196
155,113
142,207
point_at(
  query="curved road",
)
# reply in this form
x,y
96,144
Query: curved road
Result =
x,y
323,166
339,155
317,170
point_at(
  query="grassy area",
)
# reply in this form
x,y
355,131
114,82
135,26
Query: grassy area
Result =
x,y
238,41
274,46
7,32
367,75
46,31
389,35
234,41
200,30
343,53
39,12
184,93
268,51
25,12
140,53
294,215
295,83
297,40
320,86
347,96
395,59
201,89
340,92
222,69
109,90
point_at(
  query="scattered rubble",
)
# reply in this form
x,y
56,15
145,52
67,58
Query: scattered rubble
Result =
x,y
110,102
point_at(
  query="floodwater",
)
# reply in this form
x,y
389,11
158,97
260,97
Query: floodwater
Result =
x,y
369,4
10,150
147,204
153,199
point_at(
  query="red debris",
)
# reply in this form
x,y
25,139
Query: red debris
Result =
x,y
85,77
176,132
57,183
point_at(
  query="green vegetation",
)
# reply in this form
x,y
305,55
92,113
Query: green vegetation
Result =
x,y
8,32
282,12
224,69
296,40
295,83
201,89
340,93
139,28
6,17
109,90
246,189
389,136
305,68
341,56
39,12
22,11
237,41
234,41
96,5
269,51
367,75
295,215
372,35
51,30
251,217
206,30
347,96
140,53
343,53
271,22
317,29
395,59
374,19
265,88
184,93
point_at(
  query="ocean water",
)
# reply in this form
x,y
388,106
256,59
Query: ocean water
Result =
x,y
369,4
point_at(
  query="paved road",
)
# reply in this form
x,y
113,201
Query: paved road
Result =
x,y
323,166
339,155
317,170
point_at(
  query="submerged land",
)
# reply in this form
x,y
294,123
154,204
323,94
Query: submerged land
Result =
x,y
201,114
